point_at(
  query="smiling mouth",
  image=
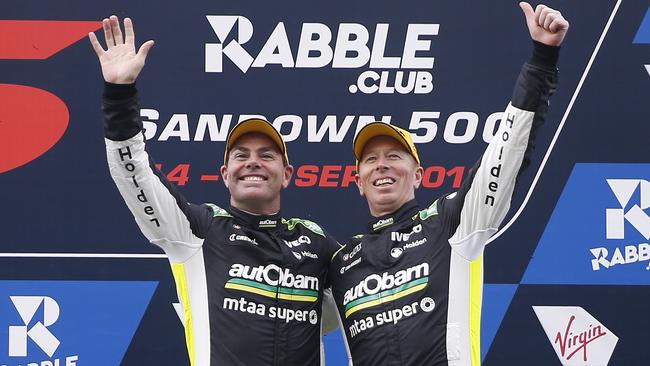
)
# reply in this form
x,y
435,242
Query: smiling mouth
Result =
x,y
253,178
382,182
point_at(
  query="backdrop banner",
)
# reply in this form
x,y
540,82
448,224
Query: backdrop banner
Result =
x,y
566,278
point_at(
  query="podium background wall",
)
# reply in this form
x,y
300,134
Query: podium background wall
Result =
x,y
576,239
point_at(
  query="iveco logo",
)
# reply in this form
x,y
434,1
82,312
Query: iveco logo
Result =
x,y
397,236
303,239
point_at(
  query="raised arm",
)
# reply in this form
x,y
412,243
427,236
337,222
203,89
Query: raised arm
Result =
x,y
161,212
475,212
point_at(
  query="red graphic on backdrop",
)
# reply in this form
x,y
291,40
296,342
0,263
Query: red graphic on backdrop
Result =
x,y
32,120
40,39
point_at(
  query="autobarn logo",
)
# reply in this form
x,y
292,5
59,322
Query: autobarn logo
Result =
x,y
268,223
272,275
382,223
344,46
385,287
577,337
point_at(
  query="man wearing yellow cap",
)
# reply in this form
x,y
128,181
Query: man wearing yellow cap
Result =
x,y
250,282
408,291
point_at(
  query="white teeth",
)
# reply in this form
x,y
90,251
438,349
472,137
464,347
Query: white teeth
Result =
x,y
253,178
382,181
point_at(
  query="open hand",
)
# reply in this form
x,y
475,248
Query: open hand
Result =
x,y
120,63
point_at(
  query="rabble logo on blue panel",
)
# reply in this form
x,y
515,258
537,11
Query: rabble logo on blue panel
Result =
x,y
599,232
69,323
27,307
629,214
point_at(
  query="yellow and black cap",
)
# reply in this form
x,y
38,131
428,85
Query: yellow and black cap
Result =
x,y
255,125
375,129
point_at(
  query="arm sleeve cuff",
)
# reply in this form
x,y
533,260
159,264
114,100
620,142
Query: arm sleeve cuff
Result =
x,y
545,55
119,91
121,111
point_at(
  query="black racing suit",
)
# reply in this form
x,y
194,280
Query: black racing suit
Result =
x,y
251,286
409,290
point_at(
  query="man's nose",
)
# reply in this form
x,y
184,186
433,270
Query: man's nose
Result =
x,y
252,162
382,163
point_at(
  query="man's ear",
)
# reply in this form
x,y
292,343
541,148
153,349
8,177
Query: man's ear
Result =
x,y
419,173
224,175
357,180
288,172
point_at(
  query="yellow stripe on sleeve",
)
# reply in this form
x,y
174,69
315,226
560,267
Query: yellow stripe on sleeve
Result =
x,y
178,269
475,300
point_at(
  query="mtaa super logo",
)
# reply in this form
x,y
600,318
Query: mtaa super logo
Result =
x,y
599,232
48,323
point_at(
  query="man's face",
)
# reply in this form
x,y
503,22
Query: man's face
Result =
x,y
388,175
255,174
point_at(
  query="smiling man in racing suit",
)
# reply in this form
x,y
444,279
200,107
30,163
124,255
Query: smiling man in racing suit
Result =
x,y
250,282
409,290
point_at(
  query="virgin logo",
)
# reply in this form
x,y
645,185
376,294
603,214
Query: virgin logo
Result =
x,y
570,342
572,330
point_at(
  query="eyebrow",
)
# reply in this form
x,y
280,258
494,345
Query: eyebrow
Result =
x,y
266,149
247,150
395,150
